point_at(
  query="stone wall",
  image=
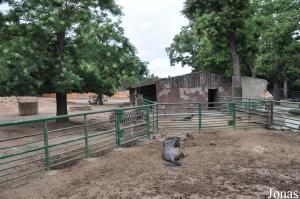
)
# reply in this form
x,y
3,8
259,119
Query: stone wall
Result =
x,y
254,88
75,96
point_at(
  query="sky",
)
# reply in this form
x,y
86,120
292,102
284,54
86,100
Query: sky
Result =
x,y
151,26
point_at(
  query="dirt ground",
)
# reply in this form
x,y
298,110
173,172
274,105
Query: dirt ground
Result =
x,y
225,164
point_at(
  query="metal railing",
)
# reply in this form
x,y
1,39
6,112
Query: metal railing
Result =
x,y
218,115
30,146
286,115
283,114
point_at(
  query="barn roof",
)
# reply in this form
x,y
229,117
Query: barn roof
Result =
x,y
153,82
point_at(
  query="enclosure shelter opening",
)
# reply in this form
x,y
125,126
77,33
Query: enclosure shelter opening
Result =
x,y
146,91
212,97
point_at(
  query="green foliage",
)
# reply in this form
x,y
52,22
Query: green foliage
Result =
x,y
63,46
204,44
200,53
110,56
265,34
18,51
279,43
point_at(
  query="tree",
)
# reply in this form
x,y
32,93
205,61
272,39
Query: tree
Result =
x,y
278,58
62,46
198,52
211,41
21,46
110,56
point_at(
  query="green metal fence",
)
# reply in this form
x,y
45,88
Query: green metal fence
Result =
x,y
282,114
34,145
30,146
218,115
286,115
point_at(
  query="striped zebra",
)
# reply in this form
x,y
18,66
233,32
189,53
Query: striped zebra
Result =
x,y
128,118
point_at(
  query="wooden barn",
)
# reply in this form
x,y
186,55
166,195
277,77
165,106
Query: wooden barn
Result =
x,y
195,87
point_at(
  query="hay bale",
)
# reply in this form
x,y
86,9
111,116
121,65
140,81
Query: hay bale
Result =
x,y
28,108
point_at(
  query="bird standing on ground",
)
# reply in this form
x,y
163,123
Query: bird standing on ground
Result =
x,y
187,118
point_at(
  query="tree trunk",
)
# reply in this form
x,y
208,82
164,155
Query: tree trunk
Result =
x,y
252,70
285,89
237,90
278,78
100,98
60,46
253,73
61,105
61,98
276,90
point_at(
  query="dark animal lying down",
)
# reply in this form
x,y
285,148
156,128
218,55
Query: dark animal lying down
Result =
x,y
171,150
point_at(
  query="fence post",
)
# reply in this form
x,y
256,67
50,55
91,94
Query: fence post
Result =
x,y
148,121
249,110
152,110
200,117
119,114
249,104
86,143
233,113
46,145
157,118
271,113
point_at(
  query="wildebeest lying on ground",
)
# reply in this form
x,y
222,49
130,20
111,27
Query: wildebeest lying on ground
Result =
x,y
171,150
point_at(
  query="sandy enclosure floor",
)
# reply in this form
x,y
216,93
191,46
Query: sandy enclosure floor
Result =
x,y
227,164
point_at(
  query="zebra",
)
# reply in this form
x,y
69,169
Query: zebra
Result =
x,y
129,117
